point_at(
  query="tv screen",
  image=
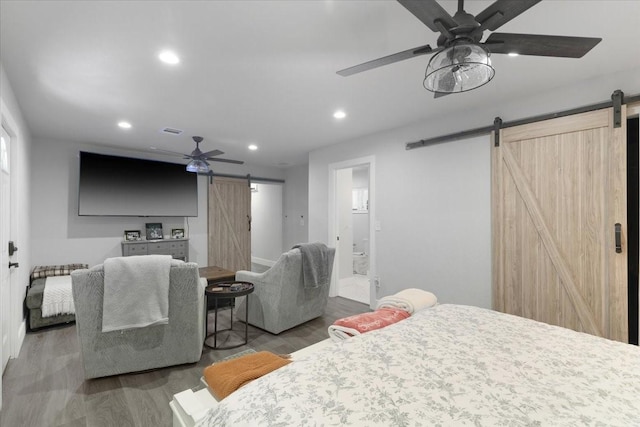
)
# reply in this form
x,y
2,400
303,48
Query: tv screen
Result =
x,y
123,186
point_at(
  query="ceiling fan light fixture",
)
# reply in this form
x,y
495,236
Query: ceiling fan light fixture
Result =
x,y
198,166
458,68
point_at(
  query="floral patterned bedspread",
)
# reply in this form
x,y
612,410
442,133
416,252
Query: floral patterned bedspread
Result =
x,y
449,365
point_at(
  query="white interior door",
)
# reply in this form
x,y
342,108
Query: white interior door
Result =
x,y
345,226
5,275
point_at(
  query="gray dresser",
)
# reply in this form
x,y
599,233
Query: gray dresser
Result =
x,y
177,248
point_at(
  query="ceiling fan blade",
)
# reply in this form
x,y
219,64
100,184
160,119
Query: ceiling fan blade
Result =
x,y
440,94
212,153
390,59
216,159
429,12
171,153
541,45
501,12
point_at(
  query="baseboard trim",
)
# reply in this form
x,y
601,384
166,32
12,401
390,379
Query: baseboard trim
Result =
x,y
22,332
262,261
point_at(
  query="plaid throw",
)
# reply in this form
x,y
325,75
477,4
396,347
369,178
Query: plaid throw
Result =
x,y
40,271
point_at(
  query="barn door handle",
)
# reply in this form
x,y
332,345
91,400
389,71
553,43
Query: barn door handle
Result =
x,y
618,238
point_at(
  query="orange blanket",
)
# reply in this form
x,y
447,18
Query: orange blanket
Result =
x,y
226,377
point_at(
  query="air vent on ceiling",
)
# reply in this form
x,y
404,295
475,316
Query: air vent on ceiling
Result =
x,y
172,131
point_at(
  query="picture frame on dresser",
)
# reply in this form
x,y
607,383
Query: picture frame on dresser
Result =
x,y
177,233
132,235
153,230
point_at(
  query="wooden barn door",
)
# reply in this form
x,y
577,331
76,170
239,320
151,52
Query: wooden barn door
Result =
x,y
559,189
230,224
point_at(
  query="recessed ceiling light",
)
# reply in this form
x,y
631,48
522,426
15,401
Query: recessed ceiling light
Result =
x,y
168,57
124,125
513,54
253,147
339,114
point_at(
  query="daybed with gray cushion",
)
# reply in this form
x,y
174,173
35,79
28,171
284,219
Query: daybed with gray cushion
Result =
x,y
281,299
35,294
129,350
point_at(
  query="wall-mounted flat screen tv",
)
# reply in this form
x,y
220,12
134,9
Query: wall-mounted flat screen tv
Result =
x,y
123,186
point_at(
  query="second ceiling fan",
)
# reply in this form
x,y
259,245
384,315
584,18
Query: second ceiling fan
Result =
x,y
461,60
199,160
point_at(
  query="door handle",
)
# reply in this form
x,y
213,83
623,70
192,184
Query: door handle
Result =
x,y
618,233
13,264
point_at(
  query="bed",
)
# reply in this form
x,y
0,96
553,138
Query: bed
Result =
x,y
448,365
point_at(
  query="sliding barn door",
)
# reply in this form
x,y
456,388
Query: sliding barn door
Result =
x,y
230,224
559,189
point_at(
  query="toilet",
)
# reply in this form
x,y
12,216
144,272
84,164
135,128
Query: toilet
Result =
x,y
360,263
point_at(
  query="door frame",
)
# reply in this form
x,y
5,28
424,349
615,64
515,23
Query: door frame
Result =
x,y
369,161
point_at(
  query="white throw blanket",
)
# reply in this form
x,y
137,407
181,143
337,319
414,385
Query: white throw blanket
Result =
x,y
340,333
136,292
411,300
57,297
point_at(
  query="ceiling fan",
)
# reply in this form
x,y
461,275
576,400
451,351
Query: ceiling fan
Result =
x,y
461,61
199,160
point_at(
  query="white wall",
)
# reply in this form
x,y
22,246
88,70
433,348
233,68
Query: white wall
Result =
x,y
13,122
60,236
296,207
433,203
266,223
424,204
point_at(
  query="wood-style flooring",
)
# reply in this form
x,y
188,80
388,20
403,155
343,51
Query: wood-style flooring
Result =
x,y
45,386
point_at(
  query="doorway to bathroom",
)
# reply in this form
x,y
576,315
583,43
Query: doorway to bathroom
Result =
x,y
352,230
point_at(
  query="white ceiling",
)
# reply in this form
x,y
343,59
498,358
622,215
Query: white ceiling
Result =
x,y
263,72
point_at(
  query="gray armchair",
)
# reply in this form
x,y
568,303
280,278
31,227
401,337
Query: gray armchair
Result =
x,y
281,300
131,350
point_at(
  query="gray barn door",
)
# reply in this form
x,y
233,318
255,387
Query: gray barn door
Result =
x,y
230,224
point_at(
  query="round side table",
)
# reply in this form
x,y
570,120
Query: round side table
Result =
x,y
221,291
